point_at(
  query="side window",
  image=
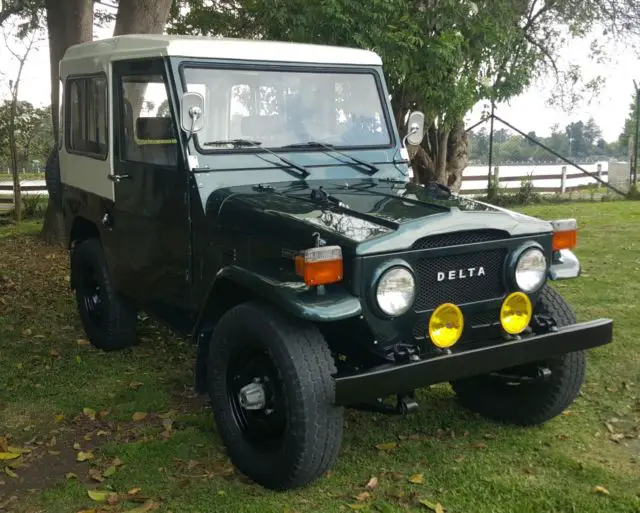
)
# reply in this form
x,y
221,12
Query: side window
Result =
x,y
86,118
148,132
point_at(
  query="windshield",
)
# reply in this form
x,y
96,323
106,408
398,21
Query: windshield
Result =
x,y
283,108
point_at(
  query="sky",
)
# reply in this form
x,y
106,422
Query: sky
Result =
x,y
528,112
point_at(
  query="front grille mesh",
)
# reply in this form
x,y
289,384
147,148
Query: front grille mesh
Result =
x,y
460,290
459,238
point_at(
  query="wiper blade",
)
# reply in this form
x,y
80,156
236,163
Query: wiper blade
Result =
x,y
303,171
329,147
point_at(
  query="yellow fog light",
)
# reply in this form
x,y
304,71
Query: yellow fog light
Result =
x,y
515,314
445,325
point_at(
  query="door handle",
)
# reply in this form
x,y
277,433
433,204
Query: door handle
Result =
x,y
119,178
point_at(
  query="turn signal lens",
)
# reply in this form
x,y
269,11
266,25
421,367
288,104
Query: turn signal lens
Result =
x,y
319,266
446,325
565,234
516,312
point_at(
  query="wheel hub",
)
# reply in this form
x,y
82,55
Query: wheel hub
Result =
x,y
253,396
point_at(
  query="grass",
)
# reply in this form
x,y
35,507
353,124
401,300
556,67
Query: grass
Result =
x,y
49,375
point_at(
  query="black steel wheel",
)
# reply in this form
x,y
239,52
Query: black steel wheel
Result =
x,y
523,396
109,320
272,394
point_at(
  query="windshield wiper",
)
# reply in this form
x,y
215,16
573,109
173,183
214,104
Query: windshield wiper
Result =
x,y
303,171
329,147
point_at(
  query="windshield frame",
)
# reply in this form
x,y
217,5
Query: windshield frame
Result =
x,y
293,68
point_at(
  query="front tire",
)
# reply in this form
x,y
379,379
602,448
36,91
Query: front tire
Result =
x,y
530,403
109,320
291,433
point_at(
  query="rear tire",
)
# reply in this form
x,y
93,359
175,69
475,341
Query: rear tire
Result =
x,y
535,402
109,320
296,436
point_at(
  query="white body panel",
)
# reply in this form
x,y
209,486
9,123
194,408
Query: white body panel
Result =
x,y
88,173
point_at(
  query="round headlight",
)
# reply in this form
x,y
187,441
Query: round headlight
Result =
x,y
396,291
531,270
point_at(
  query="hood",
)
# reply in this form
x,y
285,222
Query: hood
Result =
x,y
368,215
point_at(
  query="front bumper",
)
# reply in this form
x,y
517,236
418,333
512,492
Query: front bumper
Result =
x,y
403,377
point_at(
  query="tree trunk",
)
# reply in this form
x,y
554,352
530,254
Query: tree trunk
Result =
x,y
69,22
141,16
457,155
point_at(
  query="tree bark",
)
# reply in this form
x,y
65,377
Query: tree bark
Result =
x,y
457,155
69,22
141,16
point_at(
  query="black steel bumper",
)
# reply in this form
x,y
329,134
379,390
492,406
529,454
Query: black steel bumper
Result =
x,y
396,378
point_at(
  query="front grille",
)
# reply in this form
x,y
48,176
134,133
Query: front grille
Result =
x,y
433,292
459,238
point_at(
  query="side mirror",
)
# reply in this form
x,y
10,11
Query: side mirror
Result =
x,y
415,132
191,112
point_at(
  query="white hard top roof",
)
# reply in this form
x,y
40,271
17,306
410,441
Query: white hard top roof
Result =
x,y
152,45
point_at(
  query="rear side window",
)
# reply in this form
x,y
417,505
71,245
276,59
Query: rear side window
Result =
x,y
86,116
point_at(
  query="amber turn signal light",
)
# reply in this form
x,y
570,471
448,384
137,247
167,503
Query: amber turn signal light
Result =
x,y
565,234
320,266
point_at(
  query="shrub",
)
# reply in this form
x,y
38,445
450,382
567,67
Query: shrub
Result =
x,y
34,206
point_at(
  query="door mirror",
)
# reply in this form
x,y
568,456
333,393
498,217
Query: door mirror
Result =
x,y
192,112
415,129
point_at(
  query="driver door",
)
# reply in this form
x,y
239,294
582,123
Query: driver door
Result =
x,y
151,218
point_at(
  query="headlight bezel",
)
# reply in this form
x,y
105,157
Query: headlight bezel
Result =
x,y
380,273
516,258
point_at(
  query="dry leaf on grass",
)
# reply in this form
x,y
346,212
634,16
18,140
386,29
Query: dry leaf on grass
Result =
x,y
9,455
84,456
100,495
139,415
600,490
386,446
89,413
432,505
10,472
362,496
416,479
372,483
109,471
96,475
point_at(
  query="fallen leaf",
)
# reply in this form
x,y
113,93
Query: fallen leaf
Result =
x,y
609,427
167,424
77,446
4,444
102,433
88,437
134,491
372,483
192,464
135,385
99,495
9,455
27,332
458,459
89,413
59,417
84,456
600,489
54,453
479,446
357,506
10,472
416,479
147,506
19,450
54,354
109,471
387,446
433,506
139,415
112,499
96,475
616,437
117,462
70,475
82,342
166,415
362,496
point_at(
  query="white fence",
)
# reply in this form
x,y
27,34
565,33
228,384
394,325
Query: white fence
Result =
x,y
545,178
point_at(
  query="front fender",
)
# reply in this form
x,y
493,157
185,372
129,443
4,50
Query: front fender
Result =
x,y
306,303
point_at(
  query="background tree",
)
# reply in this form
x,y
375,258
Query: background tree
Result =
x,y
20,52
33,135
440,56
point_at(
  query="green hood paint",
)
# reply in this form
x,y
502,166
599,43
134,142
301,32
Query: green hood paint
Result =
x,y
373,217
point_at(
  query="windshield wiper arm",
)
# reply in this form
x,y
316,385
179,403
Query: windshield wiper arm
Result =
x,y
303,171
329,147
